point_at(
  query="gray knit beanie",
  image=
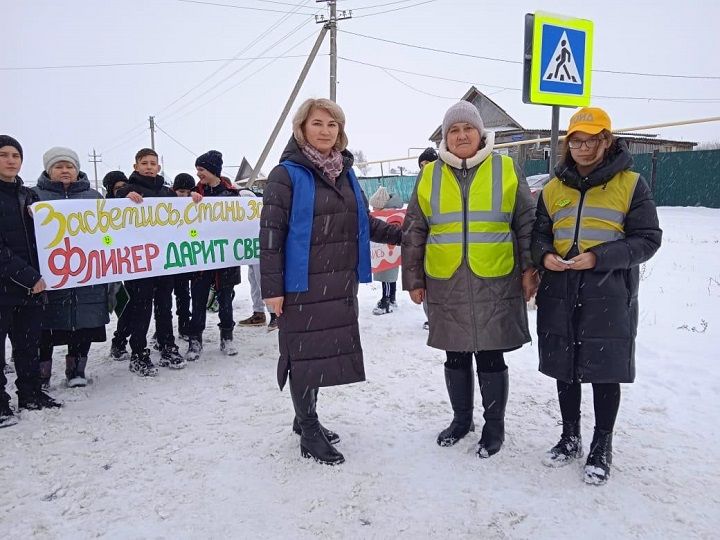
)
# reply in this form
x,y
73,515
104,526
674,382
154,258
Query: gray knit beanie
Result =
x,y
463,111
57,154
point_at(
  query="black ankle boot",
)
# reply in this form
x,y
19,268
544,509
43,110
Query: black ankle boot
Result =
x,y
568,448
331,436
313,442
494,391
460,386
597,467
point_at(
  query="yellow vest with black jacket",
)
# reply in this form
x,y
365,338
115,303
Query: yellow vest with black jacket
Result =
x,y
475,224
587,319
588,218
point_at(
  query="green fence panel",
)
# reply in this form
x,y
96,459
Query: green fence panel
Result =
x,y
399,185
681,178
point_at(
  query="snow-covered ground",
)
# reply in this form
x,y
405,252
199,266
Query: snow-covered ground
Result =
x,y
207,452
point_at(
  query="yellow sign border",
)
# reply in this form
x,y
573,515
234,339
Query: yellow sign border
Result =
x,y
551,98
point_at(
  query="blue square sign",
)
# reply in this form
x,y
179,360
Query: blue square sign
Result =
x,y
562,60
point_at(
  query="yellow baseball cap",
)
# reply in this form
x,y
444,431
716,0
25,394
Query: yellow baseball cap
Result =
x,y
590,120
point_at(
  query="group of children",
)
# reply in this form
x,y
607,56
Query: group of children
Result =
x,y
37,320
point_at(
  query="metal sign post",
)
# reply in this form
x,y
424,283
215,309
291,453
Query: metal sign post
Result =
x,y
557,66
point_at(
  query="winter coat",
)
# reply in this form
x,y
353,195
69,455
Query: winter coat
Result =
x,y
318,336
147,186
587,320
225,277
77,307
467,312
19,268
391,275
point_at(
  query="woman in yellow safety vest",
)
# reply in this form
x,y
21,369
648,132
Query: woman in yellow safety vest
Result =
x,y
596,223
466,248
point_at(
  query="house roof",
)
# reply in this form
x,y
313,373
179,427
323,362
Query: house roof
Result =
x,y
498,120
493,115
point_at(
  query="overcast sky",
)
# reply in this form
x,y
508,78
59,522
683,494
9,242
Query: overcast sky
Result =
x,y
232,107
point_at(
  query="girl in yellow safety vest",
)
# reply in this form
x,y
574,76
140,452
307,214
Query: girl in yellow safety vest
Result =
x,y
596,223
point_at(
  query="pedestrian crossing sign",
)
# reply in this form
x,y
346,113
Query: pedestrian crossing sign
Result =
x,y
560,63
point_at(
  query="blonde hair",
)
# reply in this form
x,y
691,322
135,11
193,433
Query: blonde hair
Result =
x,y
330,107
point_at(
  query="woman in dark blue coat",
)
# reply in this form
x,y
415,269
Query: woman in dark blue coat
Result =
x,y
596,223
75,317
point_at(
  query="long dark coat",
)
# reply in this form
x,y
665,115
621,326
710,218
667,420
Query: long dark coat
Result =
x,y
19,268
587,319
78,307
318,330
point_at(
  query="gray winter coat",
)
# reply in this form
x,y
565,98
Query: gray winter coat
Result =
x,y
79,307
466,312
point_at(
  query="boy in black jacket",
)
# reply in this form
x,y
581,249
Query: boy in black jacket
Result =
x,y
21,287
212,184
145,181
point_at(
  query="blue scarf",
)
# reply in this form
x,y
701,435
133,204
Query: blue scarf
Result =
x,y
297,242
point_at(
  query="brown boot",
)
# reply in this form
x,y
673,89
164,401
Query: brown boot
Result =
x,y
256,319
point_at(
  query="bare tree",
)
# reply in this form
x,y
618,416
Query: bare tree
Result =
x,y
360,161
708,145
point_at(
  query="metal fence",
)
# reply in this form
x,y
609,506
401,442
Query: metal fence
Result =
x,y
676,178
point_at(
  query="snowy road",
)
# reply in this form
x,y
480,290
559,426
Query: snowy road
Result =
x,y
207,452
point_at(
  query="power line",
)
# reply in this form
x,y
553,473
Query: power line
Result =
x,y
249,76
194,154
395,9
150,63
508,61
231,75
207,79
411,87
244,7
382,5
515,89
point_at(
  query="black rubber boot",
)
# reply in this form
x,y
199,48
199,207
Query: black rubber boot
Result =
x,y
494,391
568,448
461,388
313,443
597,467
45,372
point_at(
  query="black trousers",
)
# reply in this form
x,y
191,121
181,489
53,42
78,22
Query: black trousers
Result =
x,y
181,291
181,288
200,287
139,310
23,325
79,345
388,290
606,401
487,361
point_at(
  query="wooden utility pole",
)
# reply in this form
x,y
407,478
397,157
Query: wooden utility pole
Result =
x,y
331,24
95,158
152,132
288,105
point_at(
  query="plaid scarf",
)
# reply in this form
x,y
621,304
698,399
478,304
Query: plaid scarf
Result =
x,y
331,165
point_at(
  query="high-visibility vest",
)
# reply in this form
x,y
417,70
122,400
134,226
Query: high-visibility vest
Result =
x,y
474,224
590,218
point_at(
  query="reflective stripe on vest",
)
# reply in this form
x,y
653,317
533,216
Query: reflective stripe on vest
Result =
x,y
477,226
602,214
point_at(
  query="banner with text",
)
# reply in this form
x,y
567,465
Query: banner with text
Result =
x,y
100,241
383,256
